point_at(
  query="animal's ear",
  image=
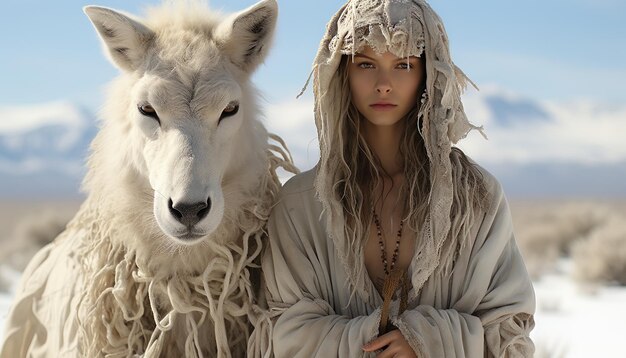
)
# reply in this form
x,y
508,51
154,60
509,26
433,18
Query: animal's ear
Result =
x,y
126,40
246,36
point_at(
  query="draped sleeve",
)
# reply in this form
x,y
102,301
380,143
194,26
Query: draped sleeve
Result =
x,y
493,315
298,290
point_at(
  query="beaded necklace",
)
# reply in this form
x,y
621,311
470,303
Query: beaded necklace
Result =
x,y
381,244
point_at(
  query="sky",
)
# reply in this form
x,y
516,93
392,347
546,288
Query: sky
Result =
x,y
560,50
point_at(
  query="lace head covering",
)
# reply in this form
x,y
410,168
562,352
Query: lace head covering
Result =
x,y
404,28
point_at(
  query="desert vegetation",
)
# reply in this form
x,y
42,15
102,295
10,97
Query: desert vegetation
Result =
x,y
590,233
602,257
26,228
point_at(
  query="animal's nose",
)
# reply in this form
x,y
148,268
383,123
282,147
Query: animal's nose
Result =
x,y
189,214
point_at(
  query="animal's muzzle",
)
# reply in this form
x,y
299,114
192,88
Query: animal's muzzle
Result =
x,y
189,214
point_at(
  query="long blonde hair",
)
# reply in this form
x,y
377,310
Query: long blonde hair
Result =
x,y
358,170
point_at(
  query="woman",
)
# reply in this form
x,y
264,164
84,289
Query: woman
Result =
x,y
395,244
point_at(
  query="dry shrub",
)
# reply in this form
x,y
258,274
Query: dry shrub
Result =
x,y
30,235
4,284
602,258
547,231
538,247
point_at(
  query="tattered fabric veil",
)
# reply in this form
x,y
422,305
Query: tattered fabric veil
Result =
x,y
404,28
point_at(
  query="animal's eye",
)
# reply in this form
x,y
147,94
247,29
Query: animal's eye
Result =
x,y
230,110
149,111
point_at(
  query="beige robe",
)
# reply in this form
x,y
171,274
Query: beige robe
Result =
x,y
484,308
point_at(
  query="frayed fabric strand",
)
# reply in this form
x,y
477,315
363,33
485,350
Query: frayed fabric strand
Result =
x,y
404,28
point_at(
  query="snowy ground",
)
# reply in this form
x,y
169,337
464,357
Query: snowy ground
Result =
x,y
6,298
5,301
574,321
571,321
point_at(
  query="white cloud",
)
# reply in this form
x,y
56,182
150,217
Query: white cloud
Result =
x,y
294,121
19,119
34,166
580,132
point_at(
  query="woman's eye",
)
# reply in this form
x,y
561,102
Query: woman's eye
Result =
x,y
365,65
405,66
148,111
230,110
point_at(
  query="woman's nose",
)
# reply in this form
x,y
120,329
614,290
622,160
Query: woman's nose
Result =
x,y
383,85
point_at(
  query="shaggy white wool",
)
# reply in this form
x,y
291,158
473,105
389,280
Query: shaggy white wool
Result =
x,y
131,308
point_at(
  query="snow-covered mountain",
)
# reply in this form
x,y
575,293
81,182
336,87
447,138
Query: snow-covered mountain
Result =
x,y
536,148
527,131
43,149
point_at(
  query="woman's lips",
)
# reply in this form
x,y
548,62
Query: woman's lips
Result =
x,y
383,106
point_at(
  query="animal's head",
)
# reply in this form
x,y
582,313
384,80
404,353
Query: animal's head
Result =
x,y
182,117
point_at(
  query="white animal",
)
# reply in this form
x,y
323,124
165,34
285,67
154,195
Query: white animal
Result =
x,y
160,260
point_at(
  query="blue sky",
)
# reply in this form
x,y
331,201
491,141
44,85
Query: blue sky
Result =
x,y
551,49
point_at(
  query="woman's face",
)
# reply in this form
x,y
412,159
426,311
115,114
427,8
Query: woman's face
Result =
x,y
384,87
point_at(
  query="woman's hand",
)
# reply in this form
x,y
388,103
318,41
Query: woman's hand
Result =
x,y
395,346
